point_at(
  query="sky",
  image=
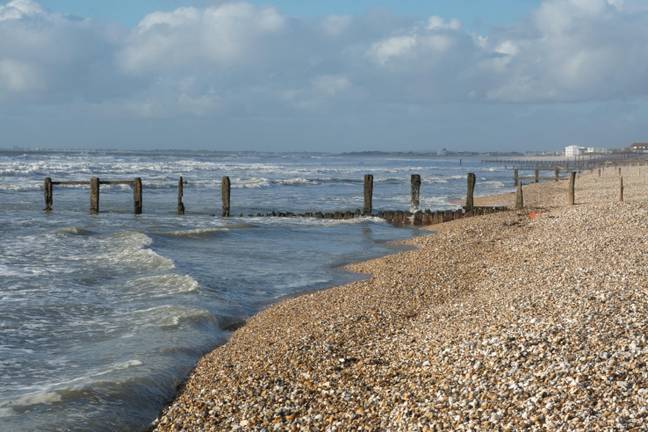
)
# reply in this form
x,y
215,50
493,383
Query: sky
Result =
x,y
295,75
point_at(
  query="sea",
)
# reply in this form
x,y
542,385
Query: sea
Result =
x,y
103,316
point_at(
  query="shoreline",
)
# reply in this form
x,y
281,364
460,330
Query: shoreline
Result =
x,y
316,360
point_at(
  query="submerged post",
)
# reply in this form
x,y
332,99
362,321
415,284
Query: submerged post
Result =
x,y
225,195
621,189
49,194
516,177
180,210
137,195
556,174
537,175
416,191
519,197
368,195
571,192
470,200
94,195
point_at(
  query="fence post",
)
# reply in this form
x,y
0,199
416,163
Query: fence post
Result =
x,y
94,195
621,189
557,174
49,194
137,195
416,191
368,195
225,195
516,177
470,200
571,193
180,210
519,197
537,175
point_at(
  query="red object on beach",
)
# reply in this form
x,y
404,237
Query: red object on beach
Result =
x,y
533,215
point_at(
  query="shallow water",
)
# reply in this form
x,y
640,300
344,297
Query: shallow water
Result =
x,y
101,317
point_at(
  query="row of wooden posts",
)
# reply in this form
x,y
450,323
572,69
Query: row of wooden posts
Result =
x,y
95,193
571,192
427,217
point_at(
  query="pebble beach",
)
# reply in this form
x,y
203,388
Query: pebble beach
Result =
x,y
533,319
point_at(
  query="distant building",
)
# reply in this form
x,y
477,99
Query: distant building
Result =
x,y
639,147
597,150
574,151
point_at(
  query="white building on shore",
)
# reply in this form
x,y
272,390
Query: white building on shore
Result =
x,y
574,151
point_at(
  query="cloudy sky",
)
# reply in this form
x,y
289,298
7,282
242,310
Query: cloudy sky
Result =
x,y
335,75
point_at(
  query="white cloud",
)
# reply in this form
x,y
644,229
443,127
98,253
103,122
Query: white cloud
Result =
x,y
17,77
189,37
438,23
237,57
18,9
392,47
336,25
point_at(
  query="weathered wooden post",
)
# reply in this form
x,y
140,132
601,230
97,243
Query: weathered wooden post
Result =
x,y
556,174
516,177
571,192
226,188
537,175
621,189
49,194
519,197
619,170
470,200
137,195
94,195
599,172
180,210
416,191
368,195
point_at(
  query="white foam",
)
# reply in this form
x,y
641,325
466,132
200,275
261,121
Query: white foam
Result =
x,y
163,285
196,232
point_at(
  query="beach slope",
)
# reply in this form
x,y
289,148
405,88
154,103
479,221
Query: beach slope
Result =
x,y
510,321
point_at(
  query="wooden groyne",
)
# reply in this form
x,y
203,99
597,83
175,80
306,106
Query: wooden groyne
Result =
x,y
415,216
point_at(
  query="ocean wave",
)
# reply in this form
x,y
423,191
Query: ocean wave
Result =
x,y
195,232
58,392
131,248
162,285
169,316
73,231
314,221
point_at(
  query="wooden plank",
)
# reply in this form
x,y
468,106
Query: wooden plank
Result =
x,y
519,197
137,195
180,210
226,188
94,195
368,195
70,183
470,194
48,190
621,189
416,191
119,182
571,192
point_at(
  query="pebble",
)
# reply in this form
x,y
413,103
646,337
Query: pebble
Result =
x,y
499,322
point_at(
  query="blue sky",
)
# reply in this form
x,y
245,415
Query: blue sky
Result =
x,y
323,76
480,14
